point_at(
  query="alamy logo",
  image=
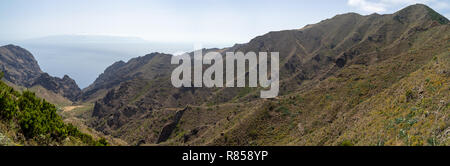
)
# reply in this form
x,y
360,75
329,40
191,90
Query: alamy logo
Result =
x,y
213,76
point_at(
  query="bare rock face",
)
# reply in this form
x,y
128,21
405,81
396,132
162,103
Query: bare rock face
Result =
x,y
18,65
66,86
129,91
146,67
169,127
20,68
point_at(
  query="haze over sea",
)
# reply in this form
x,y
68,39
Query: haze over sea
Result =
x,y
85,57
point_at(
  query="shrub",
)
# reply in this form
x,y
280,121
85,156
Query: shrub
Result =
x,y
346,143
409,95
37,119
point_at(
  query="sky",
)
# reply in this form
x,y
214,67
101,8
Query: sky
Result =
x,y
170,26
221,21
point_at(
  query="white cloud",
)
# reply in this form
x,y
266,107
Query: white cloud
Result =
x,y
367,5
381,6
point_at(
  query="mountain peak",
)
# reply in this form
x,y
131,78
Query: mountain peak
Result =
x,y
65,86
21,68
17,49
66,77
18,65
419,11
11,46
416,6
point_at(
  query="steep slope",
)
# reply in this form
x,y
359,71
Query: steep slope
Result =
x,y
18,65
66,86
414,111
141,98
28,120
401,100
147,67
22,70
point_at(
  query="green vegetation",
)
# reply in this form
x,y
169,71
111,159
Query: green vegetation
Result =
x,y
391,90
437,17
37,120
399,100
346,143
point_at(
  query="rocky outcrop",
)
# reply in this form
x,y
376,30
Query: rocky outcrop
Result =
x,y
18,65
20,68
65,86
307,57
120,72
169,127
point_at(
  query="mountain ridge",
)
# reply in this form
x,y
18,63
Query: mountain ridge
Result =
x,y
20,68
308,56
386,76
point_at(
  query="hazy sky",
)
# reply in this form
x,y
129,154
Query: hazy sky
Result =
x,y
171,26
225,21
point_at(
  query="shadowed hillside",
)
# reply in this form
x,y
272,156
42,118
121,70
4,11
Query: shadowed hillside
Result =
x,y
28,120
22,70
348,80
332,75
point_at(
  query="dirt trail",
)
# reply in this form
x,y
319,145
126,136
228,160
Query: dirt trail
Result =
x,y
70,108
